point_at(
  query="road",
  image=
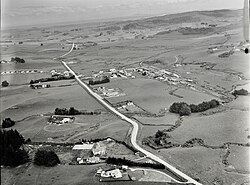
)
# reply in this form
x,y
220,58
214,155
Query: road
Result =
x,y
132,122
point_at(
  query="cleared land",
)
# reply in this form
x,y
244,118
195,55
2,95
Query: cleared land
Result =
x,y
239,159
216,129
203,163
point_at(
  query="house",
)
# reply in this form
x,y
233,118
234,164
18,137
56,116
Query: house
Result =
x,y
116,173
99,171
93,159
65,120
124,167
81,161
99,149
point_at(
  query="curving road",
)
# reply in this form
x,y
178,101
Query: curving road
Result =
x,y
132,122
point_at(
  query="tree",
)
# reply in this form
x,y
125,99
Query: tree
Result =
x,y
17,60
5,83
46,158
157,141
184,110
181,108
10,151
73,111
241,92
7,122
159,134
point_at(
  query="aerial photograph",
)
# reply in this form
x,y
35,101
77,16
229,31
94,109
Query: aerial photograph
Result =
x,y
120,92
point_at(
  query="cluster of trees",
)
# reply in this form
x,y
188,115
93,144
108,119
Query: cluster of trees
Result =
x,y
7,122
64,111
241,92
55,78
102,80
11,151
191,142
120,161
184,109
5,83
160,136
204,106
181,108
45,157
17,60
72,111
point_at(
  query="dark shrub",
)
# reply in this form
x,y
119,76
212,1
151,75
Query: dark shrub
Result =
x,y
46,158
241,92
5,84
185,110
7,122
10,151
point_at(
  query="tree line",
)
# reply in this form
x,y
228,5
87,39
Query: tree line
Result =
x,y
73,111
17,60
120,161
241,92
55,78
183,109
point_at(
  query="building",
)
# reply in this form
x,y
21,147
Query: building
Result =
x,y
39,86
112,70
83,147
100,80
93,159
116,173
98,149
65,120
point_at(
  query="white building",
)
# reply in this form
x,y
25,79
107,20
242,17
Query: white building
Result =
x,y
83,147
112,173
98,149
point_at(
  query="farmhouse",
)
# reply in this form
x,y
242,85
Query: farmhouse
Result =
x,y
65,120
93,160
116,173
99,149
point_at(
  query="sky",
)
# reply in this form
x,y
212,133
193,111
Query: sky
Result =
x,y
42,12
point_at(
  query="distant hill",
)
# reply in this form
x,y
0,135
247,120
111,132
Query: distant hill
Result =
x,y
173,19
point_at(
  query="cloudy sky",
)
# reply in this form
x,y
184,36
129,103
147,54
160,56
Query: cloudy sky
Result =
x,y
40,12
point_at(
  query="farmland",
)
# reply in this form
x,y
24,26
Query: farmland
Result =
x,y
153,67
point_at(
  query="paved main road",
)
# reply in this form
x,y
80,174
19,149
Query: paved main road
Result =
x,y
132,122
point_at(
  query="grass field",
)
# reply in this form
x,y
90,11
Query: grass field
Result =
x,y
153,95
202,163
148,175
168,119
216,129
87,127
239,158
59,175
41,101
